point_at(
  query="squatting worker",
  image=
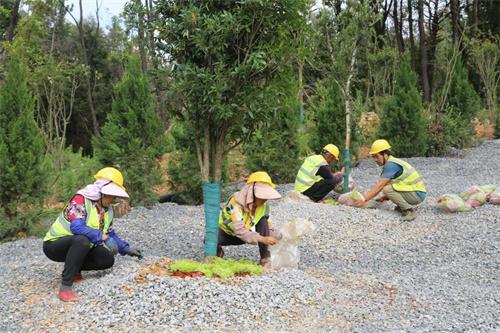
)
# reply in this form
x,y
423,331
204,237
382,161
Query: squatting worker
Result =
x,y
399,181
82,236
314,178
245,210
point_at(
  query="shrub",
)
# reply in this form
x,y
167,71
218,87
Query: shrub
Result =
x,y
132,138
326,121
402,122
23,168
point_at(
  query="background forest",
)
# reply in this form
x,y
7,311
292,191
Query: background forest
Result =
x,y
176,93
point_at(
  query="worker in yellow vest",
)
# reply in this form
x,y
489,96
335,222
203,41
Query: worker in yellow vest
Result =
x,y
399,182
83,237
314,178
246,210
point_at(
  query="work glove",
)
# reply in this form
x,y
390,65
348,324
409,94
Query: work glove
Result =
x,y
134,252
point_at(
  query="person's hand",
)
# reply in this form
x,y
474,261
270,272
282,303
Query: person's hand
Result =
x,y
269,240
104,237
134,253
121,209
381,198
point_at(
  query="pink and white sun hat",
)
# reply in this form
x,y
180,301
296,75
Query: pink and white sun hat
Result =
x,y
265,191
114,190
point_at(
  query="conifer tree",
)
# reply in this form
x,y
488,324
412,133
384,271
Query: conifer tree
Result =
x,y
402,122
22,167
327,122
132,138
463,101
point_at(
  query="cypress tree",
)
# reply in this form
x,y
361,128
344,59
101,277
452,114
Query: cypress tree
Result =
x,y
22,167
327,120
132,138
463,101
402,122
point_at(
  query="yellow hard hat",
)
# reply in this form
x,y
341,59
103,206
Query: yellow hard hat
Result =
x,y
332,149
379,145
111,174
260,176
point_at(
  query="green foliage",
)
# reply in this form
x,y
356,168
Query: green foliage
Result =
x,y
132,138
23,170
463,100
183,175
402,122
77,171
447,130
274,147
228,53
327,123
223,268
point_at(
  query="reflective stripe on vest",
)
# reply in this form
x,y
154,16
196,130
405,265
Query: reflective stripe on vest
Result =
x,y
306,176
62,227
409,180
226,223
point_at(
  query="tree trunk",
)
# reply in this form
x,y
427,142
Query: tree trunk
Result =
x,y
14,15
141,36
455,23
423,53
397,28
413,48
434,18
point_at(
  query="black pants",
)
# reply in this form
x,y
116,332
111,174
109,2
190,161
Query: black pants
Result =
x,y
77,255
262,228
320,189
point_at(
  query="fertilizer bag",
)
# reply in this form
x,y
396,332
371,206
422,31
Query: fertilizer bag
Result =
x,y
453,203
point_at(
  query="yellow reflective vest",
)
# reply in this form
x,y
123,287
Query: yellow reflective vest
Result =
x,y
409,180
233,211
306,176
61,226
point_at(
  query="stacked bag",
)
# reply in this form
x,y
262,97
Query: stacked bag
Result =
x,y
473,197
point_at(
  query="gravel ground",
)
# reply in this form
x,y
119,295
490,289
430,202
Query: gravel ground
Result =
x,y
363,270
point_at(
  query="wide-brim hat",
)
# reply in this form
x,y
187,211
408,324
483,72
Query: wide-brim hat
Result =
x,y
265,191
114,190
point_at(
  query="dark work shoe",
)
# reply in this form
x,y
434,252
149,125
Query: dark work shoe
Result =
x,y
409,214
397,209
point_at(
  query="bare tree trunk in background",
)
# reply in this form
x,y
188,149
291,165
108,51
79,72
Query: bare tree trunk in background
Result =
x,y
90,97
380,26
455,16
423,52
397,28
141,35
434,21
14,15
412,38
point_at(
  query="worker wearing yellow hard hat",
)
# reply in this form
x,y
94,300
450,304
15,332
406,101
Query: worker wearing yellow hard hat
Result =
x,y
247,209
399,181
314,178
83,236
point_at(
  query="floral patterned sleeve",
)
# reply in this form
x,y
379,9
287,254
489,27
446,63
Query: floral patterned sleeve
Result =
x,y
75,209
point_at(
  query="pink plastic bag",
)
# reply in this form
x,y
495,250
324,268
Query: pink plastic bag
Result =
x,y
474,196
494,197
453,203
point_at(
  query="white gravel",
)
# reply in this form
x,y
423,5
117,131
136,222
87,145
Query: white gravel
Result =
x,y
361,271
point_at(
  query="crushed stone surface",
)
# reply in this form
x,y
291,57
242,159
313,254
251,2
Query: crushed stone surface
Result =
x,y
362,270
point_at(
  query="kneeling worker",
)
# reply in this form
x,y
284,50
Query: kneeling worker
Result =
x,y
314,178
399,181
246,209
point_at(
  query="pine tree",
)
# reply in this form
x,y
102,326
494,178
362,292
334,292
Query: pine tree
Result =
x,y
327,123
22,164
132,138
402,122
463,101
